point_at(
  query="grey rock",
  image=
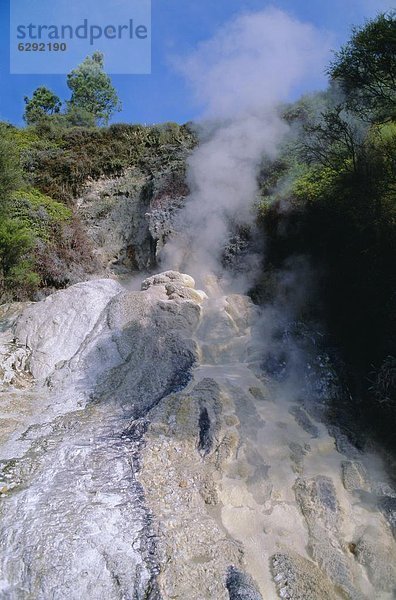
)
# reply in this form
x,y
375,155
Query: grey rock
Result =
x,y
297,578
259,486
317,499
354,476
241,586
113,212
387,505
168,198
205,438
181,491
383,488
168,277
146,461
297,453
139,350
378,555
77,527
304,421
343,444
54,329
207,393
129,218
78,516
242,310
14,356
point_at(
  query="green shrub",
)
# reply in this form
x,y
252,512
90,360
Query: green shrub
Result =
x,y
17,276
10,173
315,182
22,280
38,212
76,154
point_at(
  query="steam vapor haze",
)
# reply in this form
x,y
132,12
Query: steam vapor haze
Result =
x,y
239,78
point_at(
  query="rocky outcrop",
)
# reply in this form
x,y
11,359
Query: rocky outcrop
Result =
x,y
13,355
354,476
181,455
129,218
113,212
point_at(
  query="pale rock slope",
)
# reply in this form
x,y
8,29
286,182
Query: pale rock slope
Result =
x,y
148,452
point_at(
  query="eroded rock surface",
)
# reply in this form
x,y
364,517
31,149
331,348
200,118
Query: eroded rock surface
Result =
x,y
53,330
319,504
377,554
129,218
147,452
240,586
297,578
182,455
69,484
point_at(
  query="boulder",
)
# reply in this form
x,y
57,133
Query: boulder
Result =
x,y
241,586
354,476
54,329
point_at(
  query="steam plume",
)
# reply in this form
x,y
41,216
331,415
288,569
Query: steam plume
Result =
x,y
238,78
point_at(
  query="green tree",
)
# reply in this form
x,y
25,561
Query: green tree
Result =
x,y
365,68
336,140
43,102
92,91
78,116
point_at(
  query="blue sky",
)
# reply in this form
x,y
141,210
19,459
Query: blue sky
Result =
x,y
177,27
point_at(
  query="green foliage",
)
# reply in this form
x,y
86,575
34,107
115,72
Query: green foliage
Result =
x,y
10,173
315,182
335,140
43,102
22,280
15,242
382,139
33,220
78,116
21,139
53,127
77,154
38,212
92,91
366,68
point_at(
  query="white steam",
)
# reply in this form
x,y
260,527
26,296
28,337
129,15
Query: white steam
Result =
x,y
239,77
